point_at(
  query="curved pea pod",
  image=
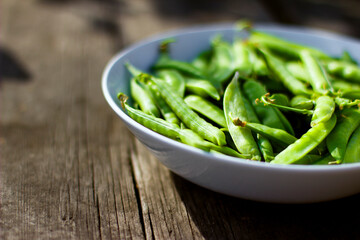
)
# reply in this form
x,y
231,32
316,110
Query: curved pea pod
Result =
x,y
156,124
259,67
278,69
242,60
164,108
324,109
141,96
191,138
206,109
279,136
174,79
202,88
337,141
325,160
343,85
165,62
348,71
188,116
302,102
222,65
233,106
253,90
264,144
306,143
201,61
298,71
265,148
281,46
309,159
352,153
318,78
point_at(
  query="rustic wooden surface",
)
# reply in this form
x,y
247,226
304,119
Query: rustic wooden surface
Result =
x,y
69,169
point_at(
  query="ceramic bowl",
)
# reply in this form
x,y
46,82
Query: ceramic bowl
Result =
x,y
236,177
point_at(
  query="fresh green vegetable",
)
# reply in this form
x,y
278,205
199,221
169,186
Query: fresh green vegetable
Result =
x,y
249,98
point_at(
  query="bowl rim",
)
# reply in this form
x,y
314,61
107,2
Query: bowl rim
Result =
x,y
220,157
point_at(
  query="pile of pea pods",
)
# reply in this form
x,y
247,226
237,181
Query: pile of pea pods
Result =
x,y
261,98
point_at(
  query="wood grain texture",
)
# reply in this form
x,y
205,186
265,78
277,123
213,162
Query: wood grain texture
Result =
x,y
69,169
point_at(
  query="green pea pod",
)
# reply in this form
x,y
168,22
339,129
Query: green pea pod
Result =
x,y
242,58
281,46
264,144
298,71
234,106
259,67
325,160
279,70
206,109
344,85
317,76
309,159
141,95
306,143
285,122
348,71
337,141
351,94
202,88
175,80
156,124
165,62
201,62
221,66
164,108
352,153
191,138
324,109
279,136
253,90
265,148
302,102
186,115
346,57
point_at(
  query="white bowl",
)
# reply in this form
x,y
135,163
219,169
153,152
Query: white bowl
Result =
x,y
224,174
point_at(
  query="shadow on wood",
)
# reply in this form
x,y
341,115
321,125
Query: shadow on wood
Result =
x,y
11,67
222,217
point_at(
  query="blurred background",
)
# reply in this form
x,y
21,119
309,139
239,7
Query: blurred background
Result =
x,y
127,21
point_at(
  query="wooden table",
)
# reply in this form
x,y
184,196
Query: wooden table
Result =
x,y
69,167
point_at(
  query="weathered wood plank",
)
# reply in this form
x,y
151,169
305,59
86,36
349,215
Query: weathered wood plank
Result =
x,y
65,173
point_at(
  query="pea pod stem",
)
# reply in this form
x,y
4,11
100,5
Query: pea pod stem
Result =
x,y
265,99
